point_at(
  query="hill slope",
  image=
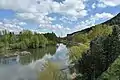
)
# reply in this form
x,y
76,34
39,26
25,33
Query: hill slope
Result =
x,y
114,21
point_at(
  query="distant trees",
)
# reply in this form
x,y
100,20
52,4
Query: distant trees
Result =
x,y
52,38
25,39
99,30
80,38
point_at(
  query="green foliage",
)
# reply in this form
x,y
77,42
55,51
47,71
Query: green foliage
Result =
x,y
103,51
52,72
52,38
1,47
80,38
76,52
113,72
99,30
42,40
84,38
25,39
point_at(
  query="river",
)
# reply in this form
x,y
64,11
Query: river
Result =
x,y
26,67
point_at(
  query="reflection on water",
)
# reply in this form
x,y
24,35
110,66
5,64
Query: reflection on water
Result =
x,y
10,60
26,67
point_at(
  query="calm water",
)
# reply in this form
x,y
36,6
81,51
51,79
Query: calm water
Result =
x,y
26,67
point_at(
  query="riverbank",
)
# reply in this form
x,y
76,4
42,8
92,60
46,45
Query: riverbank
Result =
x,y
23,53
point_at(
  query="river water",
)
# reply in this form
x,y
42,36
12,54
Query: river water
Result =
x,y
26,67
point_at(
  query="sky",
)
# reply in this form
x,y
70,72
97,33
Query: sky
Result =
x,y
59,16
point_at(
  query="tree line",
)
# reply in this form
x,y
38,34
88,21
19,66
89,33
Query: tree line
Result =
x,y
25,39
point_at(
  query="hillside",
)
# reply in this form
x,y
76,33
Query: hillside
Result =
x,y
97,48
114,21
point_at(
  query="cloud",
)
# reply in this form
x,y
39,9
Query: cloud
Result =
x,y
10,27
101,5
91,21
13,25
85,24
14,21
94,5
22,23
68,19
70,9
36,17
112,3
56,28
38,11
104,15
67,7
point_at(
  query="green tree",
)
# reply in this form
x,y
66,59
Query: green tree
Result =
x,y
35,41
113,72
80,38
76,52
99,30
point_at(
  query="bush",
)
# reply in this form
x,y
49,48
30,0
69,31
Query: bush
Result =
x,y
76,52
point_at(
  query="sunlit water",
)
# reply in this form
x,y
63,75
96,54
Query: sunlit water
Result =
x,y
26,68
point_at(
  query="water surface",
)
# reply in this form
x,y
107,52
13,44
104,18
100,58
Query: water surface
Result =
x,y
26,67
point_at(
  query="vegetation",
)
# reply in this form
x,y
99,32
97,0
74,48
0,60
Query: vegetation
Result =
x,y
94,51
25,39
83,40
113,72
99,30
103,47
80,38
52,38
76,52
103,51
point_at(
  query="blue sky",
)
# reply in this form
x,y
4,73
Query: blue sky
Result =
x,y
59,16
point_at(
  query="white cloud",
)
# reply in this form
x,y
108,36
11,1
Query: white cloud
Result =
x,y
26,15
68,19
68,7
104,15
94,5
109,3
39,18
85,24
101,5
72,9
38,11
22,23
57,28
14,21
10,27
91,21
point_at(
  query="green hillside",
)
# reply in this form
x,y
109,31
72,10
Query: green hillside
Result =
x,y
95,48
114,21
